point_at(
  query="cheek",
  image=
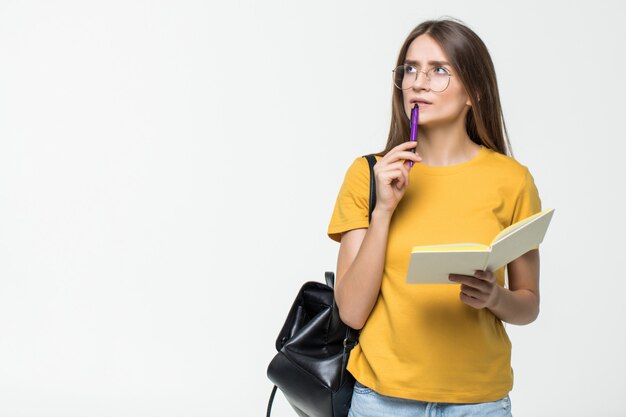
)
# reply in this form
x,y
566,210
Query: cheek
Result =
x,y
456,96
405,102
407,107
452,102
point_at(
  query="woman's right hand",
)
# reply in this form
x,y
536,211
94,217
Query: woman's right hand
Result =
x,y
392,175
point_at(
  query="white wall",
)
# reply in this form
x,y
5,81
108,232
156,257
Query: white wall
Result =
x,y
168,170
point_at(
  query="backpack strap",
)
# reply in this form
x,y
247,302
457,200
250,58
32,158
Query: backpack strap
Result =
x,y
371,159
352,336
269,405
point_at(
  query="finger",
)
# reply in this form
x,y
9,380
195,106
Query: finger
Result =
x,y
409,156
400,184
402,153
405,172
405,156
406,145
392,158
470,301
400,173
485,276
398,181
395,165
403,178
470,281
401,148
389,176
472,292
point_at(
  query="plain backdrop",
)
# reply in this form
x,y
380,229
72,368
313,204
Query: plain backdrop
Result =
x,y
168,170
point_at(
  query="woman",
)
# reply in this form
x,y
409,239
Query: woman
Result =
x,y
435,347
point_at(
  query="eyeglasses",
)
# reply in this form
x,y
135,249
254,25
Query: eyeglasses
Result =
x,y
405,76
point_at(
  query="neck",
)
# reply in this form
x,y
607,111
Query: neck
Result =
x,y
445,145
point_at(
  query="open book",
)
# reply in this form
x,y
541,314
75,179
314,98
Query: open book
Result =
x,y
433,264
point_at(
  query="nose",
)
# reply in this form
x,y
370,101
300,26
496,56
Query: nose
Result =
x,y
421,82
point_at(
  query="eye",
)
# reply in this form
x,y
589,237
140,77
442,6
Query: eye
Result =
x,y
440,70
409,69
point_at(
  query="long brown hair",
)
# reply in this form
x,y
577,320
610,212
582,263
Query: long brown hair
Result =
x,y
472,63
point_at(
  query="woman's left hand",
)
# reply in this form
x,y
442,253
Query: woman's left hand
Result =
x,y
478,291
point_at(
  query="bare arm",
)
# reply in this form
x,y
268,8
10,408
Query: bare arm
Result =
x,y
520,304
361,258
517,305
360,269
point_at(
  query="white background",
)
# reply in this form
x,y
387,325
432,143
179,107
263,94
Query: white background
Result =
x,y
168,170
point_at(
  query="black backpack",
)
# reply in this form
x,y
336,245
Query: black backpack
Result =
x,y
314,346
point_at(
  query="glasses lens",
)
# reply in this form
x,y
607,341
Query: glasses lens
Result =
x,y
400,80
439,79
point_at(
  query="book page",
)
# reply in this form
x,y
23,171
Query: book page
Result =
x,y
518,242
512,228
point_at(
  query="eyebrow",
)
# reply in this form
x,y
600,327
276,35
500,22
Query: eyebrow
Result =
x,y
410,61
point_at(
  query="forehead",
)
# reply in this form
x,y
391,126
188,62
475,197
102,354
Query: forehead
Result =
x,y
424,49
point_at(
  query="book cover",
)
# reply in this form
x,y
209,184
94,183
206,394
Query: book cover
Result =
x,y
433,263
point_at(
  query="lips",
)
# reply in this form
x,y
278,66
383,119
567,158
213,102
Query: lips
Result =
x,y
420,102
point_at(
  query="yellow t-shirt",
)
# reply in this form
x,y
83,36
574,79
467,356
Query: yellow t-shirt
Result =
x,y
421,341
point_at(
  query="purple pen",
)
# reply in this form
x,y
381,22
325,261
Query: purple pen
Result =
x,y
415,115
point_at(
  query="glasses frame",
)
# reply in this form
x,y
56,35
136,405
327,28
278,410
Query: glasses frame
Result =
x,y
393,76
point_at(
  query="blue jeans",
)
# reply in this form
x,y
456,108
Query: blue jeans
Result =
x,y
368,403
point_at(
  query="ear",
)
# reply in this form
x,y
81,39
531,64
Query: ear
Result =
x,y
469,103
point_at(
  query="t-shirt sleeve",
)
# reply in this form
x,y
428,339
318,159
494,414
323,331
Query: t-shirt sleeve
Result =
x,y
527,200
352,205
